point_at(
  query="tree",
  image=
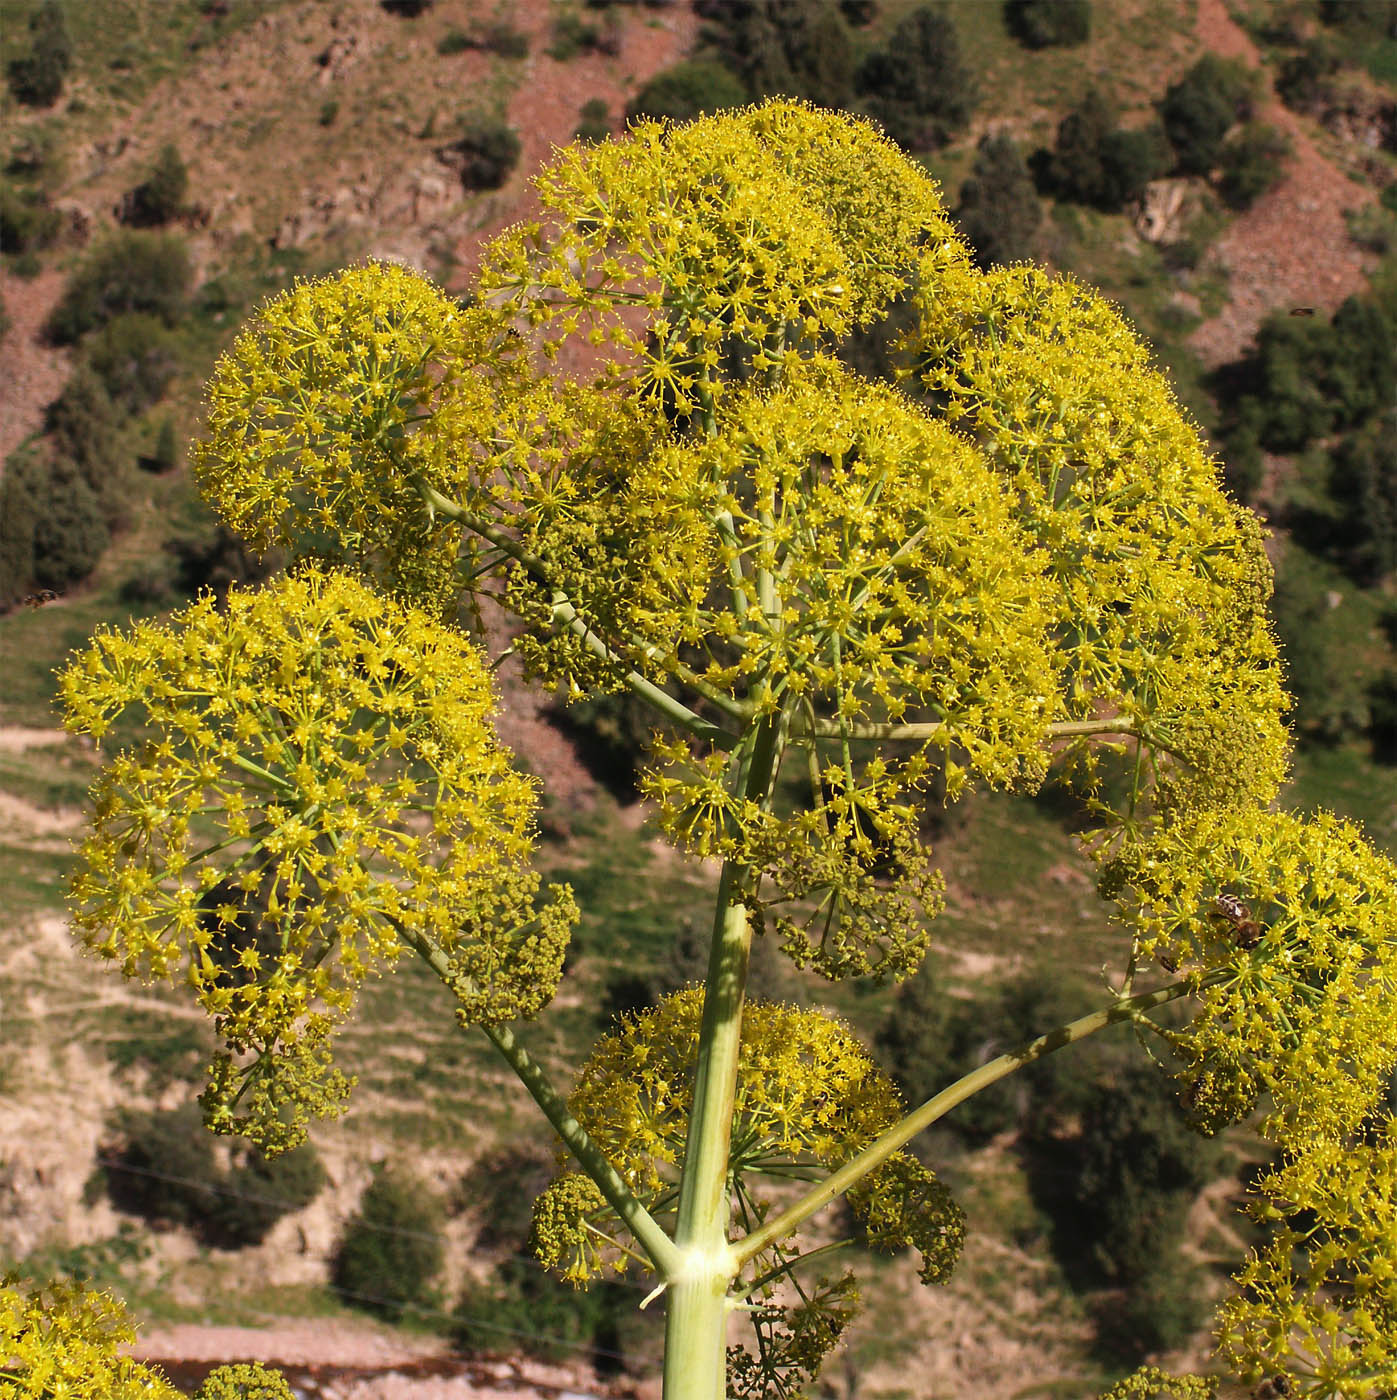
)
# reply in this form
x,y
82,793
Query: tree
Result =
x,y
808,576
1042,24
999,209
160,196
694,88
489,149
1200,109
36,78
1098,163
918,86
128,272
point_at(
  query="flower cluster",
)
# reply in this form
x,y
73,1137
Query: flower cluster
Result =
x,y
1150,1383
341,399
1159,581
807,1094
729,236
1298,1009
60,1339
1318,1301
320,780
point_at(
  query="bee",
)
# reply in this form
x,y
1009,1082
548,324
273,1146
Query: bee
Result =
x,y
37,600
1246,931
1276,1388
1302,311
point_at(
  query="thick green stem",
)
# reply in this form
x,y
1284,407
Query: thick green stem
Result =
x,y
697,1305
853,1171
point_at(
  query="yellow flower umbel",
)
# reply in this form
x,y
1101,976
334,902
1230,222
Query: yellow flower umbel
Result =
x,y
808,1095
59,1341
320,780
340,402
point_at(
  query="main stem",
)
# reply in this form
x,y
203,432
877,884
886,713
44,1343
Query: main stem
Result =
x,y
696,1310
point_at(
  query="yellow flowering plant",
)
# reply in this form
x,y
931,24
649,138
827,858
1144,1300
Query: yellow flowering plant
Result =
x,y
1025,567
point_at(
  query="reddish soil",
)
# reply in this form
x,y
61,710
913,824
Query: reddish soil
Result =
x,y
1291,248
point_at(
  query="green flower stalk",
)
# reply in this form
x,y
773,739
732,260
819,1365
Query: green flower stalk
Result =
x,y
844,602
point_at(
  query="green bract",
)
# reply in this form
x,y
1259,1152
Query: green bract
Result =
x,y
320,778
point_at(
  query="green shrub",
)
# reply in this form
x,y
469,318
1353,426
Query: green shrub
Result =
x,y
595,125
694,88
777,47
70,528
27,222
408,9
489,150
999,210
522,1308
500,38
918,86
1200,109
1042,24
571,36
131,271
1382,728
454,41
164,455
392,1249
5,321
160,196
259,1191
135,358
1371,17
329,110
1319,643
1303,80
83,423
36,78
1160,1311
21,496
164,1168
1252,162
1100,164
1363,480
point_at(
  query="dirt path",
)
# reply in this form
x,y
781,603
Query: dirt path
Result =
x,y
1292,247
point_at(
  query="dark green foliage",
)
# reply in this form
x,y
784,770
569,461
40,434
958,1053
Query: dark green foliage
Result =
x,y
858,12
27,222
131,271
83,423
70,527
999,210
1160,1311
573,35
489,150
930,1039
498,37
610,733
1361,377
36,78
1043,23
329,110
1252,161
1138,1168
1382,731
392,1249
207,555
1199,109
596,121
792,48
918,86
165,455
521,1308
1374,17
408,9
694,88
258,1191
164,1169
1100,164
1363,480
21,494
4,319
1303,79
500,1188
160,196
1318,641
135,358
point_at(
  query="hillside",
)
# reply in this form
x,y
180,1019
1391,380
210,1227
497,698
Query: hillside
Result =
x,y
316,133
